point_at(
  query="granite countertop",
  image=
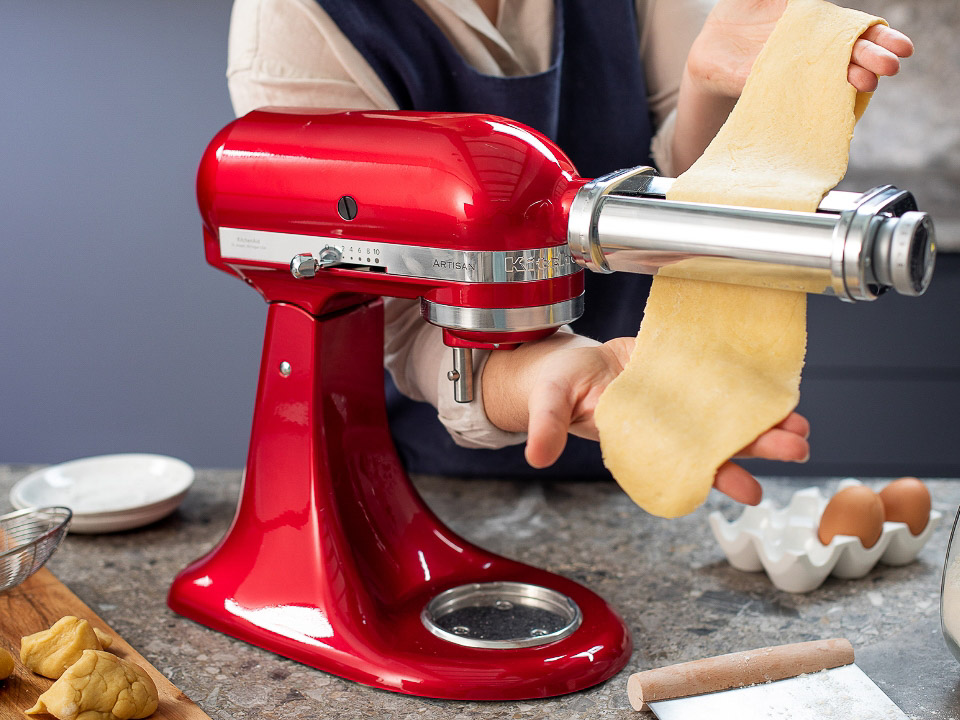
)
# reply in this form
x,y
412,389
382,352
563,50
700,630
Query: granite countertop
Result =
x,y
668,579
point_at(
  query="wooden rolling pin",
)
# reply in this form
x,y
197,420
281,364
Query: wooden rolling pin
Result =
x,y
751,667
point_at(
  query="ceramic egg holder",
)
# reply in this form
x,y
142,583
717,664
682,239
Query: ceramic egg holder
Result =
x,y
784,542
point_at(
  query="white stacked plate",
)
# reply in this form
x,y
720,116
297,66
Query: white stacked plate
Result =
x,y
109,492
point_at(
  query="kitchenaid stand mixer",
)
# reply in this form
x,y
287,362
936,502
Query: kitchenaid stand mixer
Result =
x,y
333,559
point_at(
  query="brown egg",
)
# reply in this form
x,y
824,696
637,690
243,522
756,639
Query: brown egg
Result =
x,y
907,500
853,511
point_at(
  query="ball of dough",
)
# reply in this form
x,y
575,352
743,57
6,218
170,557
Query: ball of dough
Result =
x,y
99,686
6,664
51,652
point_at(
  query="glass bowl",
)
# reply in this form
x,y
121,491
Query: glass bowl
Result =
x,y
950,593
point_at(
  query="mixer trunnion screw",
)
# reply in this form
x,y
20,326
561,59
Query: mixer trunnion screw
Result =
x,y
462,375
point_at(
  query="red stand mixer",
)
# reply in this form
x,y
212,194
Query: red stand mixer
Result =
x,y
333,559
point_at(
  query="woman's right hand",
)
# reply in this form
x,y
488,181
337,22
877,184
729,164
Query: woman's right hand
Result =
x,y
550,388
732,36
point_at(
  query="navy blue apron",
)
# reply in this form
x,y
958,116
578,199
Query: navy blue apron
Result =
x,y
592,101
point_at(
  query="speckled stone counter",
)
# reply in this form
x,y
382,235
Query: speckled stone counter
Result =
x,y
668,579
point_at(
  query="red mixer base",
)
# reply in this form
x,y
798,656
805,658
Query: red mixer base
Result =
x,y
333,556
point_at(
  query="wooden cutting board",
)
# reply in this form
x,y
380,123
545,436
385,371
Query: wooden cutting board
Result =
x,y
35,605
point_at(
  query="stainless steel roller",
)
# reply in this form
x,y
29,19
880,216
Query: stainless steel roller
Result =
x,y
855,246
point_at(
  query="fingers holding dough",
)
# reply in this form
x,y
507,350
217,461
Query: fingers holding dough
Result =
x,y
736,483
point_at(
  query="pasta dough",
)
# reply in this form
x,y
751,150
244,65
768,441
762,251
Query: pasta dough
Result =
x,y
6,664
99,686
716,364
51,652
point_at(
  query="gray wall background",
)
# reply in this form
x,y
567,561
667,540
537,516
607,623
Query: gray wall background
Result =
x,y
116,336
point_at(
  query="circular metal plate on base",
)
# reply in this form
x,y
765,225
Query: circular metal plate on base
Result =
x,y
501,615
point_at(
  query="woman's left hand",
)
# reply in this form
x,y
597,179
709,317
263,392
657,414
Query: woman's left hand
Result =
x,y
723,55
877,52
736,30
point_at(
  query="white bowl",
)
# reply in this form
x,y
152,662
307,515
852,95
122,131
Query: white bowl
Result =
x,y
109,492
784,542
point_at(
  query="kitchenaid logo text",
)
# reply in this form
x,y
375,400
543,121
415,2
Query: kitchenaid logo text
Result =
x,y
551,264
245,242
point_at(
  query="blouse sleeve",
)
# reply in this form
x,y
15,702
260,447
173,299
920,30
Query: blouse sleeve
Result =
x,y
667,30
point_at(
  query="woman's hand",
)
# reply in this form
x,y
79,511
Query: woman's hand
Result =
x,y
550,388
877,52
735,31
724,52
786,442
